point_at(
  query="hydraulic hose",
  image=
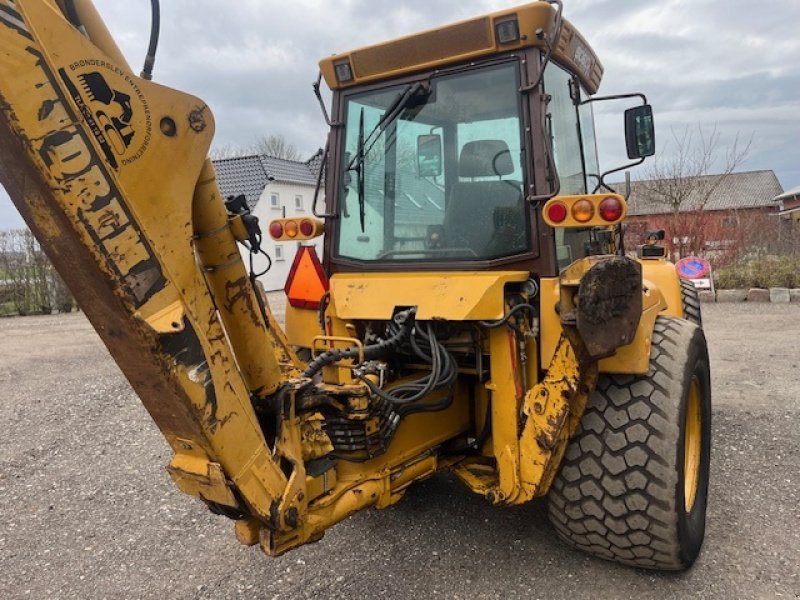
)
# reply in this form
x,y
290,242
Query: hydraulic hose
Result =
x,y
155,32
72,14
370,352
509,314
409,395
323,306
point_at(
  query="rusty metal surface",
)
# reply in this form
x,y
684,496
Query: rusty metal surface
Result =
x,y
552,411
114,214
133,346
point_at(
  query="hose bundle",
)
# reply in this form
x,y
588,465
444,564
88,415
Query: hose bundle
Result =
x,y
408,396
371,352
352,439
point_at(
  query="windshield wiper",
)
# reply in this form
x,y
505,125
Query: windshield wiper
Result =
x,y
392,113
365,143
360,171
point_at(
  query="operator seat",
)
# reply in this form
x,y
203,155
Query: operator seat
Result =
x,y
474,209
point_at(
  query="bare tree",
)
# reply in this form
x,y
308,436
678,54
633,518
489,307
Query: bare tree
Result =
x,y
230,151
61,295
12,293
28,282
683,180
40,274
276,146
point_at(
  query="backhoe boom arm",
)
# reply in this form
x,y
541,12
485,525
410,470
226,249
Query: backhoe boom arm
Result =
x,y
110,172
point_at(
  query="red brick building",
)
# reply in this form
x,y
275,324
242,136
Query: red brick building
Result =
x,y
717,213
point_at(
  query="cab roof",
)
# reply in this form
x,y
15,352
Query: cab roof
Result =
x,y
463,41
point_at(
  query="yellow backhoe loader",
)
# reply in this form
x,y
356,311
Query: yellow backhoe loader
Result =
x,y
475,309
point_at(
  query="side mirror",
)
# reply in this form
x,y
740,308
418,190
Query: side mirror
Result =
x,y
429,155
640,133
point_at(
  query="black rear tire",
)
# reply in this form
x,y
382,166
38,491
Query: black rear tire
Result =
x,y
621,491
691,303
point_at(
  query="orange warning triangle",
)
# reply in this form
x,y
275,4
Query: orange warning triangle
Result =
x,y
307,281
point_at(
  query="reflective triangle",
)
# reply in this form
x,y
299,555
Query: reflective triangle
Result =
x,y
307,281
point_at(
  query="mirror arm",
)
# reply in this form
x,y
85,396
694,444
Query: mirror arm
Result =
x,y
615,97
627,185
603,183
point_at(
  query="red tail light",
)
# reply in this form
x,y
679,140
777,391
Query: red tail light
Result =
x,y
306,228
611,209
276,229
557,212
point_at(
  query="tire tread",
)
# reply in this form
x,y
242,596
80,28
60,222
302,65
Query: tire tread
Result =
x,y
614,496
691,303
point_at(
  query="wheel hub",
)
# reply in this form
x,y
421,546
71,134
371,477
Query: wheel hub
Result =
x,y
692,445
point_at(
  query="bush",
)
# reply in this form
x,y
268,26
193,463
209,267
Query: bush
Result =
x,y
764,271
732,277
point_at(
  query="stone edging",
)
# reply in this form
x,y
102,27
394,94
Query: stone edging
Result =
x,y
755,295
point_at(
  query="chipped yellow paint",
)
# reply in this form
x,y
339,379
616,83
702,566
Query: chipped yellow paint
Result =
x,y
553,409
123,208
169,319
197,476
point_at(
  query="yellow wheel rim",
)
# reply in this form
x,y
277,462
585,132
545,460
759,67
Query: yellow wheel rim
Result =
x,y
692,445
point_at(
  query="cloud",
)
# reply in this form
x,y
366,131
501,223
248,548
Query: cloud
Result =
x,y
701,62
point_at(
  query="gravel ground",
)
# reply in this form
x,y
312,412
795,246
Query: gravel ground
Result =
x,y
87,511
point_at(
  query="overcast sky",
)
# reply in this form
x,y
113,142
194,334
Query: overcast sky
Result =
x,y
732,63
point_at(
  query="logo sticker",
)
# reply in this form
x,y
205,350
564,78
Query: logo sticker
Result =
x,y
111,106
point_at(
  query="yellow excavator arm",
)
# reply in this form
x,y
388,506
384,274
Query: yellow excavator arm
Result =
x,y
110,172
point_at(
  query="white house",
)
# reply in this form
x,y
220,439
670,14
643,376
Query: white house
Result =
x,y
274,188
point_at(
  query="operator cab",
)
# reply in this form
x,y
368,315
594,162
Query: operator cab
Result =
x,y
445,160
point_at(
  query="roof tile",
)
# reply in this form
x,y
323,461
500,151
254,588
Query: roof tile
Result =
x,y
242,175
749,189
249,175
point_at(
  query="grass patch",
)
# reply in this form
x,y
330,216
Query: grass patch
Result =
x,y
7,309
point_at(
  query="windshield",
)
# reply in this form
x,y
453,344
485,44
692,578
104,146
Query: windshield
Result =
x,y
443,178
